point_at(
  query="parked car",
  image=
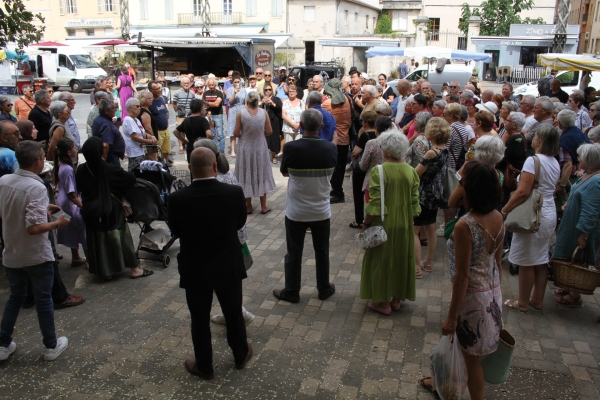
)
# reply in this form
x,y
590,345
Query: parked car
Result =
x,y
569,81
329,69
450,72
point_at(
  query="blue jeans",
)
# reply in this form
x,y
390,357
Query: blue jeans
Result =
x,y
42,277
217,131
295,232
113,159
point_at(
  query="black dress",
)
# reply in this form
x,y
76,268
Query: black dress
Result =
x,y
153,123
274,112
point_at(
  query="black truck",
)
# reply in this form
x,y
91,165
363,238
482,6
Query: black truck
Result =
x,y
327,69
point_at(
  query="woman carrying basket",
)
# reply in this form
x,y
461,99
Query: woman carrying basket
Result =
x,y
579,226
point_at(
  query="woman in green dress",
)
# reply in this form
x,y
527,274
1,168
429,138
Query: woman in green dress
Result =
x,y
110,247
388,272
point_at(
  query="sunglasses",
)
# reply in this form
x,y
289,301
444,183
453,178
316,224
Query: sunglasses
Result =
x,y
453,87
8,105
268,90
259,73
268,75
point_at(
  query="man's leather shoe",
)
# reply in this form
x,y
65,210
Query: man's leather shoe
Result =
x,y
190,366
248,357
286,296
336,200
327,293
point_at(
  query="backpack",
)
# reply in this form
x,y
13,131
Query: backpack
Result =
x,y
544,85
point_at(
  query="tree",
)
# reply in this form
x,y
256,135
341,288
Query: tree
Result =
x,y
16,24
284,58
384,25
497,16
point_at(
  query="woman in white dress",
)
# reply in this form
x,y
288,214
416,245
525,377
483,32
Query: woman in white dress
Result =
x,y
292,108
530,251
134,134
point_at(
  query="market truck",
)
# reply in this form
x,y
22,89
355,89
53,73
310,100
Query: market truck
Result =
x,y
68,66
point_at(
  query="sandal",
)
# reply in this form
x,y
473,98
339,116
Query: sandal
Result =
x,y
569,301
354,225
561,292
514,305
381,310
396,305
144,274
76,263
426,386
418,274
426,267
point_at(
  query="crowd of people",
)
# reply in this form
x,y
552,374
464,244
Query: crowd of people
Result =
x,y
474,155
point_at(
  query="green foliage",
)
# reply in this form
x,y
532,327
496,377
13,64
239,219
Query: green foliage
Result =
x,y
384,24
16,24
497,16
284,58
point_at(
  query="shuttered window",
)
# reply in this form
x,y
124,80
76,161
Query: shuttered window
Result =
x,y
276,8
251,8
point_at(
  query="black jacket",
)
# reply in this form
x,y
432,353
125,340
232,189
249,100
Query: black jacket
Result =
x,y
206,217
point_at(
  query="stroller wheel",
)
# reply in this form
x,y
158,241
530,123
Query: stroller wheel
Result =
x,y
166,259
513,269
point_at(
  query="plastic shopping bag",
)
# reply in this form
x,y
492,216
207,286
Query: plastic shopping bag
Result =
x,y
448,368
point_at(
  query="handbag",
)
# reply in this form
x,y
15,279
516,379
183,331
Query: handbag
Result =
x,y
496,366
375,235
526,217
511,173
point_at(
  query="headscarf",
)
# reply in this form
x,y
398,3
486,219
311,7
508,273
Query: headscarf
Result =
x,y
92,150
333,88
26,129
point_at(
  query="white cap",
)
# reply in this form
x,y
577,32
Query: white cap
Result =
x,y
490,107
364,75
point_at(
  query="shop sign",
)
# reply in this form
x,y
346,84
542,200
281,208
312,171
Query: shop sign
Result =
x,y
510,43
82,23
263,58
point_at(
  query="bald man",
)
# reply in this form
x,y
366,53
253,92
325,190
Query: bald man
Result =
x,y
210,258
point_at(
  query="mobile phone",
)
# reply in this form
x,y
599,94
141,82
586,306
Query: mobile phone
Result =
x,y
61,212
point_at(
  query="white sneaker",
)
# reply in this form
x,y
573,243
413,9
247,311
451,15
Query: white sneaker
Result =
x,y
218,319
249,317
440,230
7,351
52,354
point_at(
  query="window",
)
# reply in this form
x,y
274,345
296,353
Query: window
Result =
x,y
400,20
109,32
196,4
276,8
168,9
374,22
90,32
70,7
143,9
250,8
434,29
109,6
367,20
70,32
346,11
227,7
310,13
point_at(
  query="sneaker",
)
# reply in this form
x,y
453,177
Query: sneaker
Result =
x,y
7,351
61,345
218,319
440,230
249,317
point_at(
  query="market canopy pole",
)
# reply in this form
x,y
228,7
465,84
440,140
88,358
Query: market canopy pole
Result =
x,y
560,37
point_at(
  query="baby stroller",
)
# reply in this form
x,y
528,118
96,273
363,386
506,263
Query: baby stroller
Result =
x,y
149,199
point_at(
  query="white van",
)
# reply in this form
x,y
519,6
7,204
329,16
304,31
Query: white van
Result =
x,y
68,66
451,72
569,81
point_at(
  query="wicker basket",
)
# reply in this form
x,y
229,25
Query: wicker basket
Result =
x,y
574,275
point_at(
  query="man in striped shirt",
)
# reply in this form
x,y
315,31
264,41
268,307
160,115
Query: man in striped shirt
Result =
x,y
309,163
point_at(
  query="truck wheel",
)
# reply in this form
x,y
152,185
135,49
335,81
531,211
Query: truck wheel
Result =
x,y
76,87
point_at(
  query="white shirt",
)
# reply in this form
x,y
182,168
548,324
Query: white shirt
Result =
x,y
131,126
529,121
400,108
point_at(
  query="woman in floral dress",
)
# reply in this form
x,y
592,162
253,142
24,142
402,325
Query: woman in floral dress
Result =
x,y
421,144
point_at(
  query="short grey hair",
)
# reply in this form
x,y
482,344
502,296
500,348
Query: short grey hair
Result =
x,y
56,107
511,105
370,89
64,96
132,101
346,78
99,81
314,97
464,113
318,78
4,99
489,149
566,118
55,96
210,79
311,120
394,143
594,134
40,95
379,88
421,120
529,100
440,104
546,104
467,94
27,152
143,95
595,103
518,118
104,105
252,99
589,153
558,107
101,94
383,108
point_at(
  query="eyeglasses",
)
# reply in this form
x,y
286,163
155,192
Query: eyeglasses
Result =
x,y
16,133
8,105
259,73
267,90
453,87
268,75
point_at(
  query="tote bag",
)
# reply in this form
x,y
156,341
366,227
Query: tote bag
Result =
x,y
526,217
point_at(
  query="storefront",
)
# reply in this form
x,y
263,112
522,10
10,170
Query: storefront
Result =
x,y
519,51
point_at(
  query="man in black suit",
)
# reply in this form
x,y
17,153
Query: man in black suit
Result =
x,y
210,258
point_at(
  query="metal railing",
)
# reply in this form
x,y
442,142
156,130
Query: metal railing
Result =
x,y
521,74
216,18
447,39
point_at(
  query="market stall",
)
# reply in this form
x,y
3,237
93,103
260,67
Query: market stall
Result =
x,y
569,62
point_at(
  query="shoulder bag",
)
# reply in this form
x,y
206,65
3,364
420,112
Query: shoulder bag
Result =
x,y
526,217
375,235
511,173
452,177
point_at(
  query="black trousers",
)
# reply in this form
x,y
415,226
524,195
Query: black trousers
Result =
x,y
337,179
199,301
359,197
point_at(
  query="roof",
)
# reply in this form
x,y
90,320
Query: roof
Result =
x,y
364,4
